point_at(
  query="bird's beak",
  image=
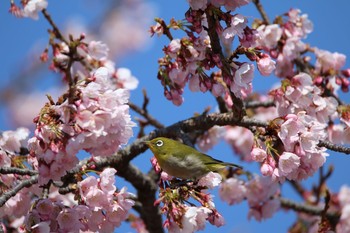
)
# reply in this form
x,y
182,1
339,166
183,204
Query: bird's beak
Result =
x,y
147,143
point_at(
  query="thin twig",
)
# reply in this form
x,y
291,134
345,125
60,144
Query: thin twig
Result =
x,y
261,10
145,114
55,28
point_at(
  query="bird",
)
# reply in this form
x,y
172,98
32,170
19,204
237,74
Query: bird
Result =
x,y
182,161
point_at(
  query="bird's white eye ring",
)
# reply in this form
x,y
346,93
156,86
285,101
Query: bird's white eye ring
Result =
x,y
159,143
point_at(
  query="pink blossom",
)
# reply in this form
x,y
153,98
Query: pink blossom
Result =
x,y
175,96
265,211
302,95
344,195
174,47
218,89
260,195
267,169
41,227
344,222
178,74
230,5
260,190
327,61
87,185
216,219
60,54
17,205
238,23
157,29
232,191
68,220
292,48
288,162
344,201
301,24
284,68
266,65
339,134
198,4
210,138
98,50
300,135
33,7
194,83
107,180
242,81
210,180
258,154
5,160
127,80
241,140
195,218
12,141
270,35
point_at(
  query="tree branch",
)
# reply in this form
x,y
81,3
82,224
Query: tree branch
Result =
x,y
257,104
146,194
145,114
261,10
18,171
334,147
308,209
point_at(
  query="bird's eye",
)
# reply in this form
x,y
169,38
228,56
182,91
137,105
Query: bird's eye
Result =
x,y
159,143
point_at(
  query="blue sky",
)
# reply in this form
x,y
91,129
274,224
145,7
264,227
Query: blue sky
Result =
x,y
331,33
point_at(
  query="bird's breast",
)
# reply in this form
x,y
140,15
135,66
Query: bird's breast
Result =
x,y
187,167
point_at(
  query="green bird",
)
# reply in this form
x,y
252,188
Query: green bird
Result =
x,y
183,161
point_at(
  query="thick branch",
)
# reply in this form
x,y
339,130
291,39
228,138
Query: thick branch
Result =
x,y
308,209
146,194
18,171
23,184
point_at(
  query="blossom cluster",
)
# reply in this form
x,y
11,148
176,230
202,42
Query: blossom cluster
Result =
x,y
29,9
182,217
97,121
11,145
344,203
188,60
260,192
100,208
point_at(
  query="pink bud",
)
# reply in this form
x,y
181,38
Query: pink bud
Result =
x,y
266,169
346,73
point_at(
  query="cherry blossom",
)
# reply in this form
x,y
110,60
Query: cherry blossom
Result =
x,y
266,65
232,191
198,4
32,8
